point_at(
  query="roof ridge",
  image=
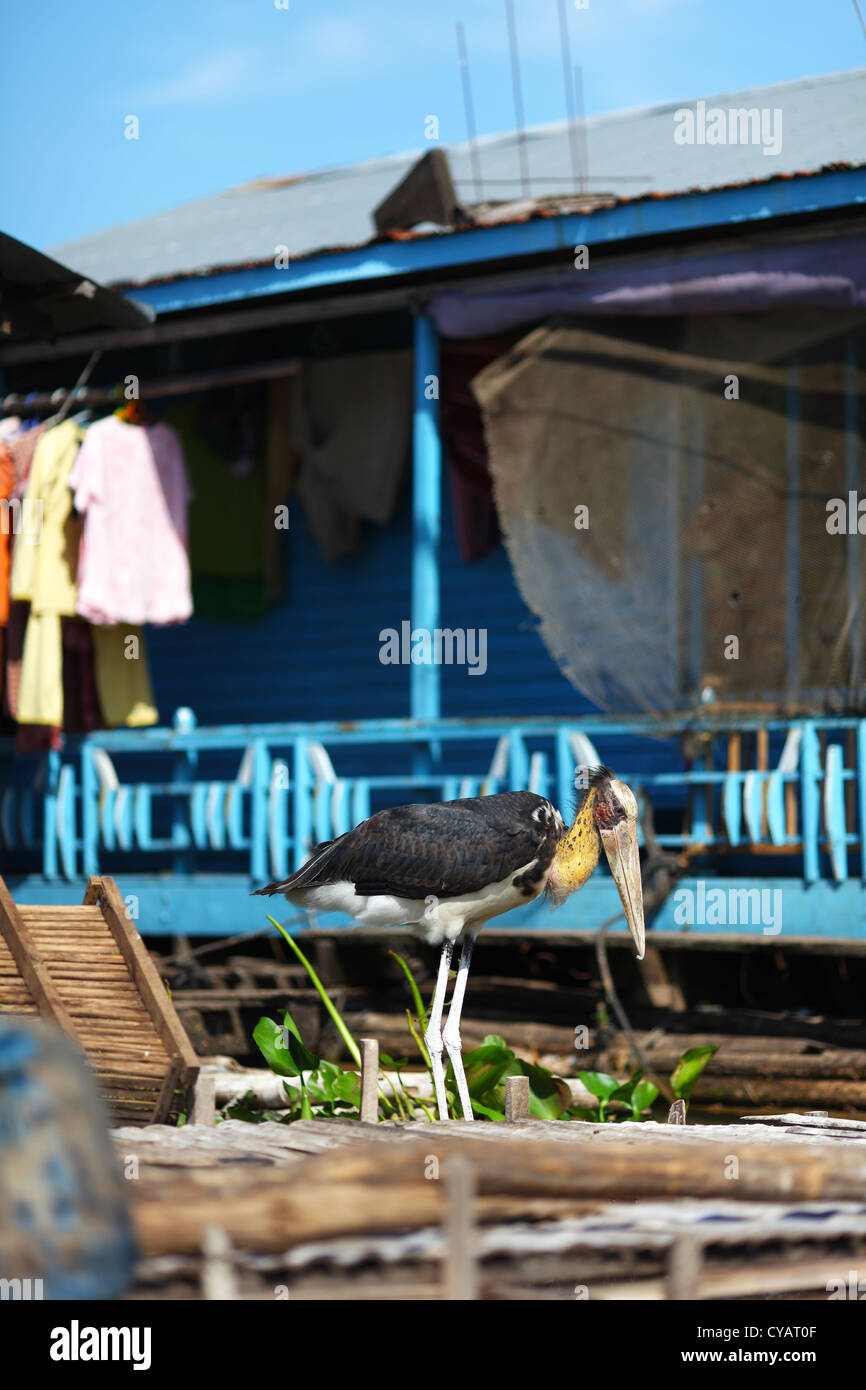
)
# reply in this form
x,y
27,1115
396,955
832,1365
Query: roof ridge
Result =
x,y
542,128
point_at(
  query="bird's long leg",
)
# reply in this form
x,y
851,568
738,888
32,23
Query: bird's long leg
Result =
x,y
433,1036
451,1031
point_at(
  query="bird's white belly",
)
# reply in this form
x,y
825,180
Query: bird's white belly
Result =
x,y
439,919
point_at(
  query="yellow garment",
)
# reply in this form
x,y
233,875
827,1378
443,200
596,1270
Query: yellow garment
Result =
x,y
123,676
40,696
45,558
44,567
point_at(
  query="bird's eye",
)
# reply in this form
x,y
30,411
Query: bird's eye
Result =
x,y
626,798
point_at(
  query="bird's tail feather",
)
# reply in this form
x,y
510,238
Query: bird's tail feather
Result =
x,y
308,875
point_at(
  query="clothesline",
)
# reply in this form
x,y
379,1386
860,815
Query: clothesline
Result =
x,y
35,402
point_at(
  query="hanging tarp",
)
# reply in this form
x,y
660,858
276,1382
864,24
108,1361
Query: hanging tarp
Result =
x,y
806,276
665,487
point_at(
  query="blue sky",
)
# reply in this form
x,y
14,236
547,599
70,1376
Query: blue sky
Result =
x,y
226,92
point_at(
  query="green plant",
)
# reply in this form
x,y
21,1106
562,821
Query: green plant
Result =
x,y
687,1070
334,1091
638,1094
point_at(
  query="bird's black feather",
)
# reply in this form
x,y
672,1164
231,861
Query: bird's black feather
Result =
x,y
448,848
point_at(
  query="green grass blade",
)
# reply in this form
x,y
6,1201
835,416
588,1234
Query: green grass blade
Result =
x,y
419,1043
420,1012
321,991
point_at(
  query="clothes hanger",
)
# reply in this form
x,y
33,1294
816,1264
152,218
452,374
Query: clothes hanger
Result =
x,y
134,412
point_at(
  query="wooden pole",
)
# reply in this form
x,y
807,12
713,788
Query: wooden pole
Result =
x,y
203,1109
684,1268
218,1281
516,1099
460,1270
369,1081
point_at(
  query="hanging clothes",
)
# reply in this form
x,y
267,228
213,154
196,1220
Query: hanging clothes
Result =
x,y
44,566
45,559
282,461
123,676
15,630
7,482
81,707
22,447
226,553
347,405
475,519
131,487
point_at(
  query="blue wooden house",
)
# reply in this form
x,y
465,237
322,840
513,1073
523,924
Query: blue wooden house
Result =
x,y
287,727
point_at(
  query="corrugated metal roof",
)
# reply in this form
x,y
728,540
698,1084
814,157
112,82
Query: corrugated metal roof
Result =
x,y
631,154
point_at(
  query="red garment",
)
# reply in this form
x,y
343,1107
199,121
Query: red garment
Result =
x,y
81,709
7,482
19,612
21,448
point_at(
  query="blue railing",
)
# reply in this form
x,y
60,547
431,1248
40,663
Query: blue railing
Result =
x,y
253,799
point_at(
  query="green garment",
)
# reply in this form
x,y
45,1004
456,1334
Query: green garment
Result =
x,y
226,527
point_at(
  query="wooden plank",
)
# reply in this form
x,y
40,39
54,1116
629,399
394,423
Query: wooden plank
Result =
x,y
203,1110
754,1280
380,1186
171,1083
34,972
104,891
87,913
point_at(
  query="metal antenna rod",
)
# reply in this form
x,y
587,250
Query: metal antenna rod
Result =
x,y
518,99
463,57
568,82
581,116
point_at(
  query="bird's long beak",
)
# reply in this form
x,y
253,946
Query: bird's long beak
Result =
x,y
623,856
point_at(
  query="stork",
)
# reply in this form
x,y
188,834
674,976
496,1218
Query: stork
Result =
x,y
446,868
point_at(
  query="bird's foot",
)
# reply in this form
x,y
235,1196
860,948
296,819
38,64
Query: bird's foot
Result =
x,y
454,1048
434,1044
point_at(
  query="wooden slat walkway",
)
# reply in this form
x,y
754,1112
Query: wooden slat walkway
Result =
x,y
86,969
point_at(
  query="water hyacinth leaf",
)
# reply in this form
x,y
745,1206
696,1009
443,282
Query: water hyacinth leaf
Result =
x,y
688,1069
624,1092
388,1061
599,1084
485,1067
346,1087
642,1097
270,1038
303,1058
488,1111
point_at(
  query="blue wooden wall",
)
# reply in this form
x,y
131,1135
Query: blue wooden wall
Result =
x,y
316,654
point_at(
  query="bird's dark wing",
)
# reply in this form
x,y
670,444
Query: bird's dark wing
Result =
x,y
449,848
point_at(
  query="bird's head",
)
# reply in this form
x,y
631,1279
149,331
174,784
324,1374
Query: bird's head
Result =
x,y
606,818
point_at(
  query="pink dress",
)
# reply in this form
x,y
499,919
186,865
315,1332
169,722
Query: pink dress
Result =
x,y
130,485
